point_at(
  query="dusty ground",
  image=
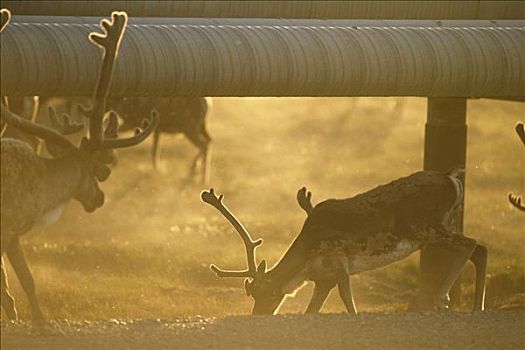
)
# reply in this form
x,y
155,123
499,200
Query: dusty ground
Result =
x,y
146,253
486,330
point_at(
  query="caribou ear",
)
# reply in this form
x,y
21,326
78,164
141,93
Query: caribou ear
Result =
x,y
248,287
261,269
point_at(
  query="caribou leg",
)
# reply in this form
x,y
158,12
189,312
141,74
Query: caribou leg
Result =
x,y
8,302
18,261
345,291
479,258
461,249
321,291
155,150
200,138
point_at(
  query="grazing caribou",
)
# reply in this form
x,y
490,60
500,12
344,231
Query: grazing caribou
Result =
x,y
342,237
178,115
35,189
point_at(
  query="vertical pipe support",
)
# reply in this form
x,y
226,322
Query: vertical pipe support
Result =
x,y
445,148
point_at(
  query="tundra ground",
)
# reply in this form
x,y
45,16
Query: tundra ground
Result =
x,y
145,255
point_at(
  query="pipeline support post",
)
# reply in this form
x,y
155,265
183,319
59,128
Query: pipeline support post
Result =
x,y
445,148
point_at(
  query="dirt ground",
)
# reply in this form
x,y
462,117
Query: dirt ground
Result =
x,y
482,330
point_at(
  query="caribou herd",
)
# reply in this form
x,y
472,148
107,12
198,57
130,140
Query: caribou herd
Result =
x,y
339,237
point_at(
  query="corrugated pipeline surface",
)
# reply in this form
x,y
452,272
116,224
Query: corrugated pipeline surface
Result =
x,y
228,57
278,9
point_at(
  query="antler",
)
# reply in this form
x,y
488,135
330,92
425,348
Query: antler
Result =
x,y
65,126
148,125
250,245
516,201
111,127
5,17
304,198
109,40
35,129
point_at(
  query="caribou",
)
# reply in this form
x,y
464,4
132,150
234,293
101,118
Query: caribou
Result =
x,y
342,237
178,115
35,189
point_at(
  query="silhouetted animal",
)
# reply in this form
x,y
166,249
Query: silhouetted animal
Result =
x,y
348,236
178,115
35,189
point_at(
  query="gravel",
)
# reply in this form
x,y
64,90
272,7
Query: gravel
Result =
x,y
449,330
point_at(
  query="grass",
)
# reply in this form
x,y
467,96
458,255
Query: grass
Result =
x,y
146,253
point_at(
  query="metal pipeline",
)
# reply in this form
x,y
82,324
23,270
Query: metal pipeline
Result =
x,y
228,57
470,9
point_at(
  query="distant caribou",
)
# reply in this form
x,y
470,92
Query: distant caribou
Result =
x,y
178,115
35,189
348,236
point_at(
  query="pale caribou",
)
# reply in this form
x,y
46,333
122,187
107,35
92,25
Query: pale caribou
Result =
x,y
348,236
35,189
